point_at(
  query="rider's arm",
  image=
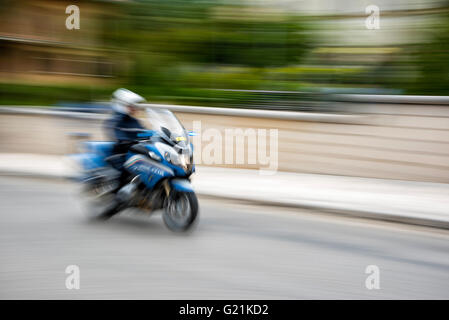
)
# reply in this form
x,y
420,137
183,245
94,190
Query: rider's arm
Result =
x,y
123,128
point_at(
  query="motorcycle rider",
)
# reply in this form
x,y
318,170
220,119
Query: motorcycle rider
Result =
x,y
123,127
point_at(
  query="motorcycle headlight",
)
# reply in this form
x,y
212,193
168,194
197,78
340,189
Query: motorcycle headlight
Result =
x,y
177,159
173,158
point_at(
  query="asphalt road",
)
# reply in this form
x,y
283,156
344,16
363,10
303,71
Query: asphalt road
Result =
x,y
237,251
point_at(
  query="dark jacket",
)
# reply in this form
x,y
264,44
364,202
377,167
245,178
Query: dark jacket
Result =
x,y
121,127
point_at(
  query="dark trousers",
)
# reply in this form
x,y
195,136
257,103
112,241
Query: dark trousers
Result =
x,y
117,160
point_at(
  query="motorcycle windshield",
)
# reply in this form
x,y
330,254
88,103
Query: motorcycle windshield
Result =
x,y
167,125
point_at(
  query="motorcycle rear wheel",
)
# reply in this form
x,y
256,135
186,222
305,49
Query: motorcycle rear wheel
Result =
x,y
99,202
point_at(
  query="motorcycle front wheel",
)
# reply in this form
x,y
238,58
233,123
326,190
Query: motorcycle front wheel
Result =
x,y
181,211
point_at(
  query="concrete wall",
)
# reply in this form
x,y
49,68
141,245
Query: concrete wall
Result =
x,y
389,141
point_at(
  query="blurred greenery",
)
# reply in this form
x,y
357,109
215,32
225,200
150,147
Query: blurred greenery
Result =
x,y
180,50
34,94
191,51
432,62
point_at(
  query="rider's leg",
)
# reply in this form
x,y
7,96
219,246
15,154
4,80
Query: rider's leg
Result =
x,y
117,160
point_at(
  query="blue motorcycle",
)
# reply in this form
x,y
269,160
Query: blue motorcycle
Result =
x,y
159,163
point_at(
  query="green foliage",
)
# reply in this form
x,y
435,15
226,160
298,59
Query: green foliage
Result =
x,y
182,51
25,94
432,62
174,47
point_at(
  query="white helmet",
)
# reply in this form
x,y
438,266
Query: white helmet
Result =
x,y
123,98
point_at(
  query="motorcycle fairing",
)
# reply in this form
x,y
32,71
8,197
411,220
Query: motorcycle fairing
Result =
x,y
150,171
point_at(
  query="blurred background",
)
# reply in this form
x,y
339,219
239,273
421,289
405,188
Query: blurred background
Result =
x,y
313,57
363,126
203,52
